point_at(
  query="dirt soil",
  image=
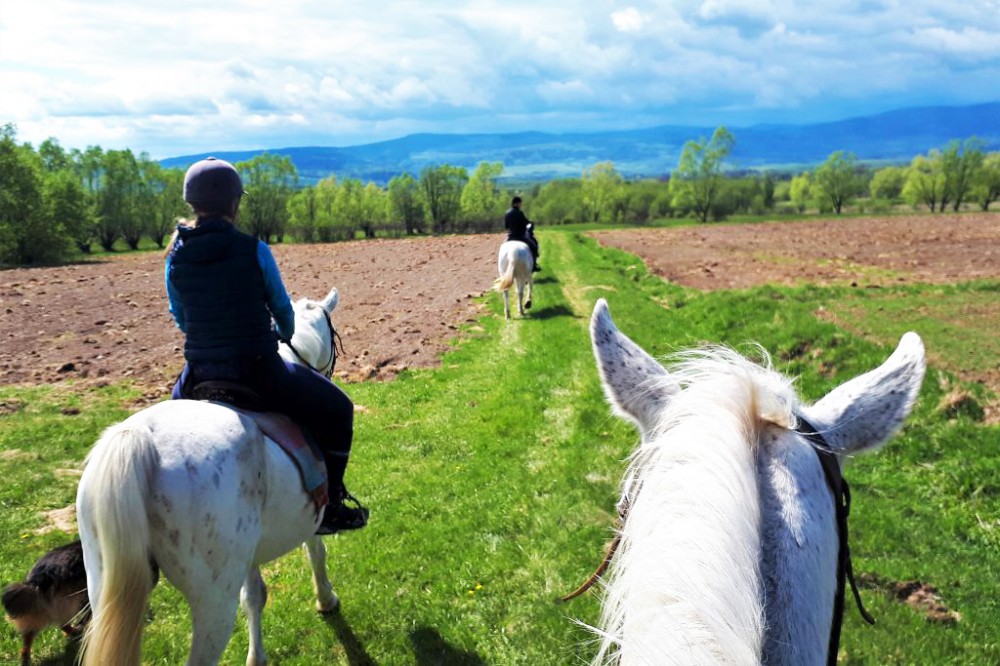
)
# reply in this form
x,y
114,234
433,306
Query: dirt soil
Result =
x,y
403,300
865,251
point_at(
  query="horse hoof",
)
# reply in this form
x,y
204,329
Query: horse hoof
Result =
x,y
328,607
527,306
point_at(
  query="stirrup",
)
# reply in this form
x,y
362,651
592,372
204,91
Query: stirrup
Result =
x,y
340,517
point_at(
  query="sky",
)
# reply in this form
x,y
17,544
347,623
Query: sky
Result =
x,y
173,77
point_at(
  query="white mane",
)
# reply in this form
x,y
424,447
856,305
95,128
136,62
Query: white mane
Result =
x,y
689,487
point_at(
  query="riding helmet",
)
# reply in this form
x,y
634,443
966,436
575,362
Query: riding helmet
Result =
x,y
212,185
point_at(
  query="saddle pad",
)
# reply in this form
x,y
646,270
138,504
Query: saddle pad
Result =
x,y
289,436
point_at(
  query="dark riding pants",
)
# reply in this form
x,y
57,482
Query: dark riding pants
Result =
x,y
304,395
530,241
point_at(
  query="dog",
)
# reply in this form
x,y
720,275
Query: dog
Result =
x,y
54,593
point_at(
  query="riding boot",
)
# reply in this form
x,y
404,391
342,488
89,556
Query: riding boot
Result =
x,y
344,511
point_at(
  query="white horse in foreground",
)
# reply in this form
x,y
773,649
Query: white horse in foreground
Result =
x,y
728,548
197,488
514,263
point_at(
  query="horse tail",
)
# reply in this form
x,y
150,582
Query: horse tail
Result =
x,y
507,279
112,513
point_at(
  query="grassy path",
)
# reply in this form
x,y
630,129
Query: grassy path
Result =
x,y
492,482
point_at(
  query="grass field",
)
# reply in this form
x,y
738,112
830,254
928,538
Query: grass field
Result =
x,y
492,480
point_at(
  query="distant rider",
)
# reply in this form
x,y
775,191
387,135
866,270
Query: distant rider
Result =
x,y
224,288
518,229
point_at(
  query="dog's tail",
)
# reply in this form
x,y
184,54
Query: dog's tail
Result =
x,y
21,600
111,510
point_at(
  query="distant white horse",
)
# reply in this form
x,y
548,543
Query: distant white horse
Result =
x,y
514,263
196,487
728,548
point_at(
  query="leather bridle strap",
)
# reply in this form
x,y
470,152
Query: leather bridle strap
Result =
x,y
842,505
334,337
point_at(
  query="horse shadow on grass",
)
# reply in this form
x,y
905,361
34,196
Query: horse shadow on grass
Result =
x,y
356,653
552,311
431,649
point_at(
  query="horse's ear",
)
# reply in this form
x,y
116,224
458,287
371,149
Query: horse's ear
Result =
x,y
636,385
330,302
863,413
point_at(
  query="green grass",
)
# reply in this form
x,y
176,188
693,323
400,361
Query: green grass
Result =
x,y
492,481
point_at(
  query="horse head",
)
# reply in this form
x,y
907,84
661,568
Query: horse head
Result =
x,y
314,341
729,548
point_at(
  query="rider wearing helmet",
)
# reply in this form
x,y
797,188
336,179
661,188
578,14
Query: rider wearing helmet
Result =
x,y
520,228
224,289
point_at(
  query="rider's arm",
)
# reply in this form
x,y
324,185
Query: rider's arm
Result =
x,y
277,298
173,298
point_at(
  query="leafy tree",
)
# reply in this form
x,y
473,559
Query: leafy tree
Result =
x,y
372,209
442,189
799,191
986,186
924,181
960,163
27,232
168,206
602,193
405,203
482,201
348,207
68,209
559,201
329,227
639,198
54,158
698,178
838,179
887,183
118,214
269,180
303,215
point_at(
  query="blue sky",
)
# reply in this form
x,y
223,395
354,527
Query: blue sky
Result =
x,y
178,77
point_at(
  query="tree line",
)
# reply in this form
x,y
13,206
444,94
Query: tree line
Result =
x,y
56,204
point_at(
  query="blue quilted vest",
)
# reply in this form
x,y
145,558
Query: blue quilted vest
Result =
x,y
214,269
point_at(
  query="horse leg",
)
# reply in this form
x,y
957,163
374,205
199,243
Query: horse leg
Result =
x,y
326,599
253,596
213,615
520,298
506,304
527,302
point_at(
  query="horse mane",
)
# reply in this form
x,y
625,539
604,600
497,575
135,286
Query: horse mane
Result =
x,y
692,495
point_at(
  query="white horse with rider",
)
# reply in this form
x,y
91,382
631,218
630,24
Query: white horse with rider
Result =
x,y
197,488
515,264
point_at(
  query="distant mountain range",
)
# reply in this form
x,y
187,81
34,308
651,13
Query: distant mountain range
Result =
x,y
885,138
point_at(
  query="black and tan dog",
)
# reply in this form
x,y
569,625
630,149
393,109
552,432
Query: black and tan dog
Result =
x,y
54,593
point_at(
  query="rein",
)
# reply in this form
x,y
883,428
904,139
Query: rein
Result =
x,y
334,352
842,505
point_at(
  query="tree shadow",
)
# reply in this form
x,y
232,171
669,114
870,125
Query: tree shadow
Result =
x,y
431,649
552,311
356,653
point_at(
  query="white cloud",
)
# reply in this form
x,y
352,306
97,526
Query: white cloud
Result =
x,y
628,20
174,76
